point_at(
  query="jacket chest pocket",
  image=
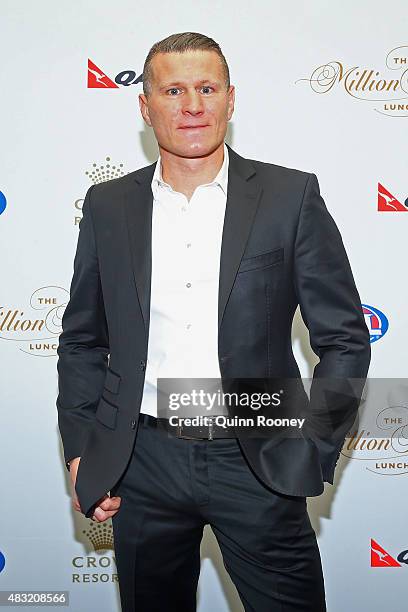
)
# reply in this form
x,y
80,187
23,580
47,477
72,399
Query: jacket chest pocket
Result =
x,y
261,261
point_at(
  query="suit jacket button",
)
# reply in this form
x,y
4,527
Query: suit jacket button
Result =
x,y
133,424
142,365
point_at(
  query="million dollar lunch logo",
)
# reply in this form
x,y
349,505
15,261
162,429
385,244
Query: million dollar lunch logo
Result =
x,y
101,566
386,89
99,173
382,449
34,327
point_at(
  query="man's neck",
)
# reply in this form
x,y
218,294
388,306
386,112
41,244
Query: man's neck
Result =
x,y
184,174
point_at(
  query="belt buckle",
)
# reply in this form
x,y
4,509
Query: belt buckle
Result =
x,y
210,432
180,435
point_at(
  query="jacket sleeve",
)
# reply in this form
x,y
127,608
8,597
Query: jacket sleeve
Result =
x,y
83,344
331,309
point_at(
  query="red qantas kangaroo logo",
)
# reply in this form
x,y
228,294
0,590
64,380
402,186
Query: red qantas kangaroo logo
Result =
x,y
389,203
98,79
380,557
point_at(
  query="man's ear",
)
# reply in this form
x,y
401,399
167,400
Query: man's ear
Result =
x,y
231,101
144,108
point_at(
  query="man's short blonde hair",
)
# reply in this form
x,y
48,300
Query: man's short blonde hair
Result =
x,y
179,43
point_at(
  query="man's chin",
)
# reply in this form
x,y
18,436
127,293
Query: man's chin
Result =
x,y
197,149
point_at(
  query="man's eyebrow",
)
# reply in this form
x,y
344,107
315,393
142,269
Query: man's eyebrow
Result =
x,y
178,83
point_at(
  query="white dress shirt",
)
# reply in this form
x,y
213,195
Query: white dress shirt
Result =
x,y
186,249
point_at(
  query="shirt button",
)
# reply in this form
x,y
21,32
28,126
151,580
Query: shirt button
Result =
x,y
188,285
183,208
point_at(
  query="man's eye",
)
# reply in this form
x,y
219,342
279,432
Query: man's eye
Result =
x,y
206,89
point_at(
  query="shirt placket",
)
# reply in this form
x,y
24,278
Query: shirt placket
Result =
x,y
190,280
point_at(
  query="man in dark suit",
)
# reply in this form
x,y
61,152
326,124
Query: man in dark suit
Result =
x,y
193,266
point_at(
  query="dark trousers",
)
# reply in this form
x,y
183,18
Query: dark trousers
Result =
x,y
171,488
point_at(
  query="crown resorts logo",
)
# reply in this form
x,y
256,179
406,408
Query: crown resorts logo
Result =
x,y
388,93
387,202
99,173
35,328
99,567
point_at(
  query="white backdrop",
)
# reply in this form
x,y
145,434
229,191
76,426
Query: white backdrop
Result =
x,y
55,129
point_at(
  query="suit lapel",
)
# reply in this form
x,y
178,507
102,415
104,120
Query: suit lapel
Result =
x,y
139,207
242,201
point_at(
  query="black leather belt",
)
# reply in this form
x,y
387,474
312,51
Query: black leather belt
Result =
x,y
191,432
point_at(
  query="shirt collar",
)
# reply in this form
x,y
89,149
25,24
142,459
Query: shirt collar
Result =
x,y
221,179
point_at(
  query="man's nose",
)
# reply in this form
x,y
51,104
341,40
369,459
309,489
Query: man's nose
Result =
x,y
193,103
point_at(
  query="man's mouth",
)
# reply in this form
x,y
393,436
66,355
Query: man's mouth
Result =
x,y
192,127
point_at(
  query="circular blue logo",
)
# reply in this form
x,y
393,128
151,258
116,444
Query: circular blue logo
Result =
x,y
2,561
377,322
3,202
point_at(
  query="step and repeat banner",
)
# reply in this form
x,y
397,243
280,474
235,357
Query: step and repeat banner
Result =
x,y
322,87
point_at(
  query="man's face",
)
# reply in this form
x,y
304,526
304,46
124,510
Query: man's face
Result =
x,y
189,105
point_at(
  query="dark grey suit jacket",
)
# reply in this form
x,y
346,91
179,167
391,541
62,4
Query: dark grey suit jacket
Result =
x,y
280,248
